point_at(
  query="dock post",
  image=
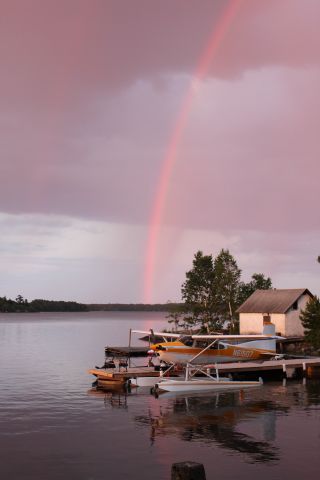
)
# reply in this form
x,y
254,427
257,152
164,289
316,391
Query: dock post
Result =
x,y
129,359
188,471
304,369
284,370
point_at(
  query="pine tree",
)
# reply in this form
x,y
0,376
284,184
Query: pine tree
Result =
x,y
310,318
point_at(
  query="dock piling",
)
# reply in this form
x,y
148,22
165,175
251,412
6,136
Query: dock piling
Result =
x,y
129,348
284,370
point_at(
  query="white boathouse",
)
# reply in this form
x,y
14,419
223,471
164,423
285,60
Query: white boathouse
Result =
x,y
282,305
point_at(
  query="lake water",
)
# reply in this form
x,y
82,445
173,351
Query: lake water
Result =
x,y
53,425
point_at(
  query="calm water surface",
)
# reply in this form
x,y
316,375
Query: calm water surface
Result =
x,y
53,425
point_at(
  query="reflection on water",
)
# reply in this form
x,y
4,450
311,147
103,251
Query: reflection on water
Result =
x,y
217,418
117,398
54,426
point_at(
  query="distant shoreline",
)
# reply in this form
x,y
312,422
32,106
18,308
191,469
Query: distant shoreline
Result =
x,y
21,305
131,307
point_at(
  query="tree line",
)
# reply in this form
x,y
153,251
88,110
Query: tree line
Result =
x,y
131,307
22,305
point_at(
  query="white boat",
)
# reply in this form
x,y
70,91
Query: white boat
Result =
x,y
208,383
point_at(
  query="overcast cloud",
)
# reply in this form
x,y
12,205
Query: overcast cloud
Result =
x,y
89,93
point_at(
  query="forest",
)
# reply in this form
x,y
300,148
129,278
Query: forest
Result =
x,y
22,305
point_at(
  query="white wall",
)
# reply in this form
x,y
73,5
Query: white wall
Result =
x,y
279,320
293,323
252,323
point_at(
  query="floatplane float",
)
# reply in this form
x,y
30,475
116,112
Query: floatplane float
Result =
x,y
208,383
198,378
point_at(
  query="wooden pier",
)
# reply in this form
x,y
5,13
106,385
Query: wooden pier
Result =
x,y
303,365
126,351
266,369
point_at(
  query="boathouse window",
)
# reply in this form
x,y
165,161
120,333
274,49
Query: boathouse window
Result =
x,y
295,305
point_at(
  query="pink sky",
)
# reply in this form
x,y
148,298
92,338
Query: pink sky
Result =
x,y
90,91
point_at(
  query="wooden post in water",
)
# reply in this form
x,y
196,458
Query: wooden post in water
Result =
x,y
304,370
188,471
284,371
129,359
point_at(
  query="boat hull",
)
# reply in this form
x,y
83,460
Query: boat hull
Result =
x,y
111,383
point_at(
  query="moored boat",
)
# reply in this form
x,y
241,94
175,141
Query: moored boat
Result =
x,y
111,383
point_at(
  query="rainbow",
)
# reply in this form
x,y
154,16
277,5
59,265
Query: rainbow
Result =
x,y
206,59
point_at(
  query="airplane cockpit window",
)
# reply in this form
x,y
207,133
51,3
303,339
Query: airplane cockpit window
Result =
x,y
200,344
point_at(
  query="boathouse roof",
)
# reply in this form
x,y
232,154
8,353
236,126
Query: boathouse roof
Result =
x,y
273,300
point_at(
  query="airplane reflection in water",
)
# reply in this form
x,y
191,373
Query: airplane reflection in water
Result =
x,y
217,418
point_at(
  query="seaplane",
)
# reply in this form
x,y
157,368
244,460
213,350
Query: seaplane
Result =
x,y
213,349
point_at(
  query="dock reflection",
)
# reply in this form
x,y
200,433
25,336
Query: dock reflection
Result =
x,y
116,398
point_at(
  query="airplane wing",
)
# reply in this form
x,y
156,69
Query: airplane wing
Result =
x,y
208,337
236,337
159,334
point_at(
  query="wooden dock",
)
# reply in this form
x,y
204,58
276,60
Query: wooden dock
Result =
x,y
126,351
267,369
298,364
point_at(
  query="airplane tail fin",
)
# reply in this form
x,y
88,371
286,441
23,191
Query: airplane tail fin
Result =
x,y
268,329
